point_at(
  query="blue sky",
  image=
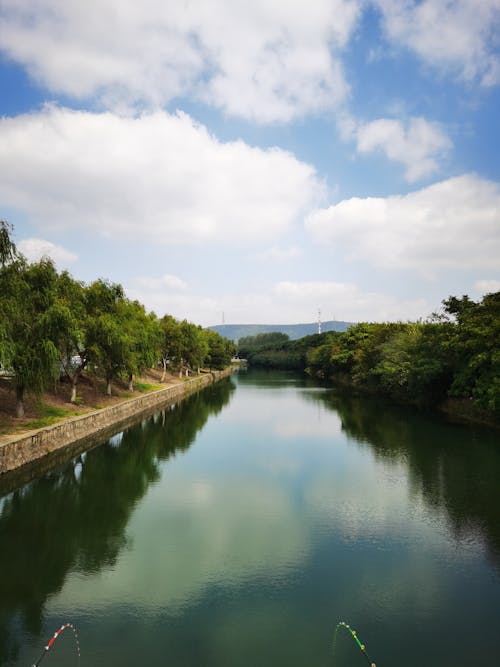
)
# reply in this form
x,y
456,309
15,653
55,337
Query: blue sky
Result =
x,y
260,160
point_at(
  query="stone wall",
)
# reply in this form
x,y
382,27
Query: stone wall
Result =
x,y
79,433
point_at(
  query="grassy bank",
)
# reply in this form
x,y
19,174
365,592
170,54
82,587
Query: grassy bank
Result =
x,y
54,405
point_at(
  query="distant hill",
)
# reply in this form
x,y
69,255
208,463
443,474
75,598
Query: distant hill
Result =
x,y
294,331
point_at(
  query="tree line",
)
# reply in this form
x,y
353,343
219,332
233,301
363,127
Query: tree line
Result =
x,y
455,354
53,325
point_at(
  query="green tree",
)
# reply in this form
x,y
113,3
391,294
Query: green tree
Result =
x,y
8,254
220,350
28,296
170,342
249,344
394,368
8,250
194,345
474,347
69,328
144,334
109,342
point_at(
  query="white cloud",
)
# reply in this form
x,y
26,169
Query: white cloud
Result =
x,y
167,282
418,147
454,224
348,301
266,61
276,254
487,286
157,176
34,249
285,302
226,531
454,35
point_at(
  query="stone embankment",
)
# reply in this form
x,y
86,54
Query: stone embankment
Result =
x,y
68,438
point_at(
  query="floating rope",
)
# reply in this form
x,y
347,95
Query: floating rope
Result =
x,y
354,635
53,639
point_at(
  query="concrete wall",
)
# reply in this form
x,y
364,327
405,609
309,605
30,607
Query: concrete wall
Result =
x,y
80,433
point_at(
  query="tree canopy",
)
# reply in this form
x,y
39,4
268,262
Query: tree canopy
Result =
x,y
455,355
52,325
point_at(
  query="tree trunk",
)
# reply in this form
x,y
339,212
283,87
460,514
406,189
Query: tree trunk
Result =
x,y
74,382
108,386
20,401
164,374
130,382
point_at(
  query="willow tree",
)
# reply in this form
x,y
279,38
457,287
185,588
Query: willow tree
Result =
x,y
109,341
170,342
220,350
8,250
8,255
194,345
70,327
28,294
145,336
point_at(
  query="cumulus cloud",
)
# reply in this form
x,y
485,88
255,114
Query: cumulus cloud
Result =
x,y
266,61
454,35
453,224
487,286
277,254
166,283
157,176
418,146
34,249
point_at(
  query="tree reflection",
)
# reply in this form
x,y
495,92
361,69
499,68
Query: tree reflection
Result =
x,y
75,518
452,467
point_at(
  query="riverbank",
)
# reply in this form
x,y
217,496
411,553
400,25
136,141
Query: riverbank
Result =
x,y
77,433
460,411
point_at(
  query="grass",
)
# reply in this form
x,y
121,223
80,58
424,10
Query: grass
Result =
x,y
144,386
53,407
49,414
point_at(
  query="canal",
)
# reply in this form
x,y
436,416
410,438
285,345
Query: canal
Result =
x,y
241,525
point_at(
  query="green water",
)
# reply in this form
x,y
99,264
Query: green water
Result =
x,y
240,526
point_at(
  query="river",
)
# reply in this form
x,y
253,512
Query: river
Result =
x,y
241,525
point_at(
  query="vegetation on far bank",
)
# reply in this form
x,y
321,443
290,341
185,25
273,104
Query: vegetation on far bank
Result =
x,y
54,328
453,357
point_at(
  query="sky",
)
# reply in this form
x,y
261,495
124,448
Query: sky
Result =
x,y
255,162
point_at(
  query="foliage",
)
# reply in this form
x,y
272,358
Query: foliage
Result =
x,y
474,343
249,344
220,350
27,302
455,355
275,350
8,250
53,325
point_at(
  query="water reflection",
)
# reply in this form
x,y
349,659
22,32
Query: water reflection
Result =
x,y
296,508
75,517
451,467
